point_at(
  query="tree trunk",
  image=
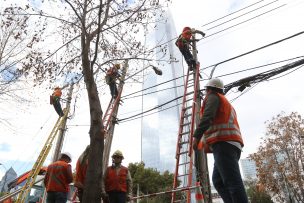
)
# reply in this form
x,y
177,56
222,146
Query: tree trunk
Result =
x,y
92,191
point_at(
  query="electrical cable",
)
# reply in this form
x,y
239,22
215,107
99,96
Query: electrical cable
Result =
x,y
256,78
232,73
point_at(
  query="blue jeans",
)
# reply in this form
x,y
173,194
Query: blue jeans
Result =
x,y
57,197
117,197
226,175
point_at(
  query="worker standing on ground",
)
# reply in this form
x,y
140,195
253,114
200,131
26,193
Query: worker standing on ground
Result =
x,y
111,76
57,179
81,170
55,100
183,43
220,134
117,182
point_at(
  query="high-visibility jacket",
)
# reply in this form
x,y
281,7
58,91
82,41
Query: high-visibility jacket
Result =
x,y
57,92
224,126
114,181
81,171
57,177
183,39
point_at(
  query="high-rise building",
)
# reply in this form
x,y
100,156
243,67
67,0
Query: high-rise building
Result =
x,y
159,131
248,168
8,177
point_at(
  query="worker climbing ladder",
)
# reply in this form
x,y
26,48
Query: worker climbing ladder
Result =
x,y
41,158
110,118
189,173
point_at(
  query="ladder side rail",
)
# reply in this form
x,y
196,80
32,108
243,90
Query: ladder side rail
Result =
x,y
193,116
114,104
180,131
40,160
110,125
106,113
110,128
196,81
32,182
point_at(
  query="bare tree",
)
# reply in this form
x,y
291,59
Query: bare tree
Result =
x,y
16,41
82,37
280,160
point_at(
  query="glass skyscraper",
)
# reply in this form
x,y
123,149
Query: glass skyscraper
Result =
x,y
159,130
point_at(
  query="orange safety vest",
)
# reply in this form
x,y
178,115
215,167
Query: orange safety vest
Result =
x,y
57,93
183,39
224,127
81,171
56,178
187,35
116,182
112,72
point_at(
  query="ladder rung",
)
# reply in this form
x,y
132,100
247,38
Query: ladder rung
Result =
x,y
186,116
185,152
186,124
185,163
183,175
189,107
184,133
184,142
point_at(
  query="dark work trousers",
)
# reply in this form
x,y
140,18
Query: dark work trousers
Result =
x,y
188,56
113,88
117,197
226,175
57,197
80,194
57,106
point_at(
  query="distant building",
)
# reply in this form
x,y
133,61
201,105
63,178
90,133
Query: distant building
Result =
x,y
249,169
159,130
9,176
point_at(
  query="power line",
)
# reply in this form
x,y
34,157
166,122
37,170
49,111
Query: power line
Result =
x,y
256,67
241,15
232,13
242,82
226,21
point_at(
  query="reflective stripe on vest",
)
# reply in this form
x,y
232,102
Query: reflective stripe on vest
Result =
x,y
225,126
57,180
114,181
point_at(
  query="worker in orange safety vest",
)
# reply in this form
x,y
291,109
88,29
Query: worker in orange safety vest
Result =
x,y
111,76
183,43
220,134
81,170
55,100
57,179
117,182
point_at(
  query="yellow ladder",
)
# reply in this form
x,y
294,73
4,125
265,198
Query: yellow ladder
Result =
x,y
40,160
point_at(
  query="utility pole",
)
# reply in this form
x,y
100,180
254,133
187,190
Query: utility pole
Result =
x,y
60,138
201,161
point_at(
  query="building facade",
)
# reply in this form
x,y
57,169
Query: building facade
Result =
x,y
159,130
249,169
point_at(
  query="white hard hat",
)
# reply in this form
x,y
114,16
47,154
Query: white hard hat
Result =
x,y
66,154
216,83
